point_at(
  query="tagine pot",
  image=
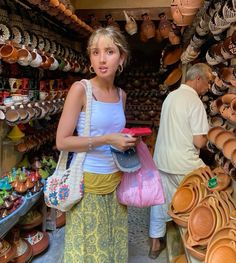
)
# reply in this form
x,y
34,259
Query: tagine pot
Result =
x,y
38,240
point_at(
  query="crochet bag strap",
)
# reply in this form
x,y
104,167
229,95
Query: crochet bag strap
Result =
x,y
62,161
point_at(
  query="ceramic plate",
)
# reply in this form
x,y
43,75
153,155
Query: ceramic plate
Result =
x,y
5,33
41,42
26,38
17,34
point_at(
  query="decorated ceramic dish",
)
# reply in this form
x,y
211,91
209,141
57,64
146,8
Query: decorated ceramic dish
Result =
x,y
5,33
47,45
17,34
41,42
26,38
34,42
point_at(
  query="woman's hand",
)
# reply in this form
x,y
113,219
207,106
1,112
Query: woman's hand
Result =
x,y
121,141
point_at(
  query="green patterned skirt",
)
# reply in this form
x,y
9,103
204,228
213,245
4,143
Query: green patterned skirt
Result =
x,y
97,231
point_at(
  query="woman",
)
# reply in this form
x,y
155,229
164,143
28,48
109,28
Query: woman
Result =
x,y
96,228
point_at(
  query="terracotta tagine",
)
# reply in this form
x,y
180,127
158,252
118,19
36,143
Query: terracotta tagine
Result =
x,y
37,239
7,251
24,250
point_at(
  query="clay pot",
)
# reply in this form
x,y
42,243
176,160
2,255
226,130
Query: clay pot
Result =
x,y
213,132
172,55
148,29
202,222
227,98
131,25
179,18
9,53
233,158
228,147
183,199
173,77
38,240
36,59
164,26
7,251
223,253
222,137
32,219
216,121
185,9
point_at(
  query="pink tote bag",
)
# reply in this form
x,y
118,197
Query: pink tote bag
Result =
x,y
142,188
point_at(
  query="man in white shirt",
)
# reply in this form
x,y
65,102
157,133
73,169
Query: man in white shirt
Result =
x,y
181,135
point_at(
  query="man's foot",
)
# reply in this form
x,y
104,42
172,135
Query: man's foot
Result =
x,y
157,245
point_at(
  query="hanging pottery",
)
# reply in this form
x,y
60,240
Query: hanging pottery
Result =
x,y
131,25
148,29
164,26
112,22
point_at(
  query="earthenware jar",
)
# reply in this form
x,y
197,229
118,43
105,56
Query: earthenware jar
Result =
x,y
9,53
147,27
164,26
24,56
131,25
179,18
36,59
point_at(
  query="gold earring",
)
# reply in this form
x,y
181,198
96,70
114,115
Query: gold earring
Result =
x,y
91,69
120,68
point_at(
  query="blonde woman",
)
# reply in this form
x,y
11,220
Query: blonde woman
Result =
x,y
97,227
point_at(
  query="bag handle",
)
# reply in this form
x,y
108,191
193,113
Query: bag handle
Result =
x,y
62,161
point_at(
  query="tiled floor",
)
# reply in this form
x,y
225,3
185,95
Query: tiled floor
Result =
x,y
138,241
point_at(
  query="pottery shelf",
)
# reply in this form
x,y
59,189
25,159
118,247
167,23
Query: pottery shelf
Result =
x,y
12,219
23,113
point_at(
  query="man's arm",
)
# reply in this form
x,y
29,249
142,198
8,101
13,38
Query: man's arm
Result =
x,y
199,141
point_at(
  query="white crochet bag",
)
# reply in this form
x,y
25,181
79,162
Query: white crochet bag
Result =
x,y
65,187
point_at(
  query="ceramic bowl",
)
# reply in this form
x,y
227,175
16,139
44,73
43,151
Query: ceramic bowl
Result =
x,y
229,147
223,253
202,222
222,137
213,132
183,199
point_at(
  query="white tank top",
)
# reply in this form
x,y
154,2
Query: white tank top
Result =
x,y
105,118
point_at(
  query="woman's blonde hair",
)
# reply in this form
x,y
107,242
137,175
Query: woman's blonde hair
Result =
x,y
112,33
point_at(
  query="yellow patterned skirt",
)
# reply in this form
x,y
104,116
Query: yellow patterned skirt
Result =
x,y
97,231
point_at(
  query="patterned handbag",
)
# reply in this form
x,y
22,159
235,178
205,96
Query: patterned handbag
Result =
x,y
65,187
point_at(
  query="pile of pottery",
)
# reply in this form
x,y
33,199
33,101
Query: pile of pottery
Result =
x,y
210,215
62,13
23,113
193,189
183,11
222,246
9,202
217,18
36,140
225,141
190,192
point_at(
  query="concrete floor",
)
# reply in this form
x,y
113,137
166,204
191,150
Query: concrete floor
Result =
x,y
138,241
